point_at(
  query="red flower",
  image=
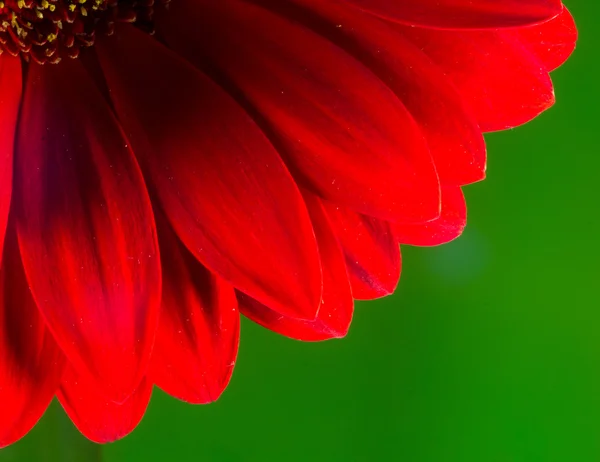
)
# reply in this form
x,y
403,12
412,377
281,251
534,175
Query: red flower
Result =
x,y
275,151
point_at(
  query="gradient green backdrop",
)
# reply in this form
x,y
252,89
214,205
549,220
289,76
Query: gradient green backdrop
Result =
x,y
488,351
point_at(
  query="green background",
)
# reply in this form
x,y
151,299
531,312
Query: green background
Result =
x,y
488,351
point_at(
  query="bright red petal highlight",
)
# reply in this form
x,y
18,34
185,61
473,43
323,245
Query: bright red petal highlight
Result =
x,y
222,185
10,99
444,229
551,42
337,306
86,229
341,131
31,364
371,252
197,341
99,419
453,14
503,83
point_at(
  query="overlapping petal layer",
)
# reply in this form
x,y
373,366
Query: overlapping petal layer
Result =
x,y
335,311
31,364
221,183
448,226
86,229
197,341
501,80
285,149
453,136
371,252
339,128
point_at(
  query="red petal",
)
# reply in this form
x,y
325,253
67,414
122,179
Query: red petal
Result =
x,y
463,13
447,227
31,364
222,185
340,130
453,136
86,228
99,419
335,312
371,252
199,330
499,78
10,99
552,42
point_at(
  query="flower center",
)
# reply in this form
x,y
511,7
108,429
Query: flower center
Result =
x,y
45,31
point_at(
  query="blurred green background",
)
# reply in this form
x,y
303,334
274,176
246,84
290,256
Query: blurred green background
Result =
x,y
488,352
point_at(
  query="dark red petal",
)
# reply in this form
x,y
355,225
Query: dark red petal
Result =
x,y
447,227
551,42
453,136
499,78
10,99
99,419
341,131
335,312
199,330
86,229
463,13
371,252
222,185
31,364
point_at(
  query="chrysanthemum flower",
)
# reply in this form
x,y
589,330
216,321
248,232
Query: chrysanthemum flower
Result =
x,y
166,167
